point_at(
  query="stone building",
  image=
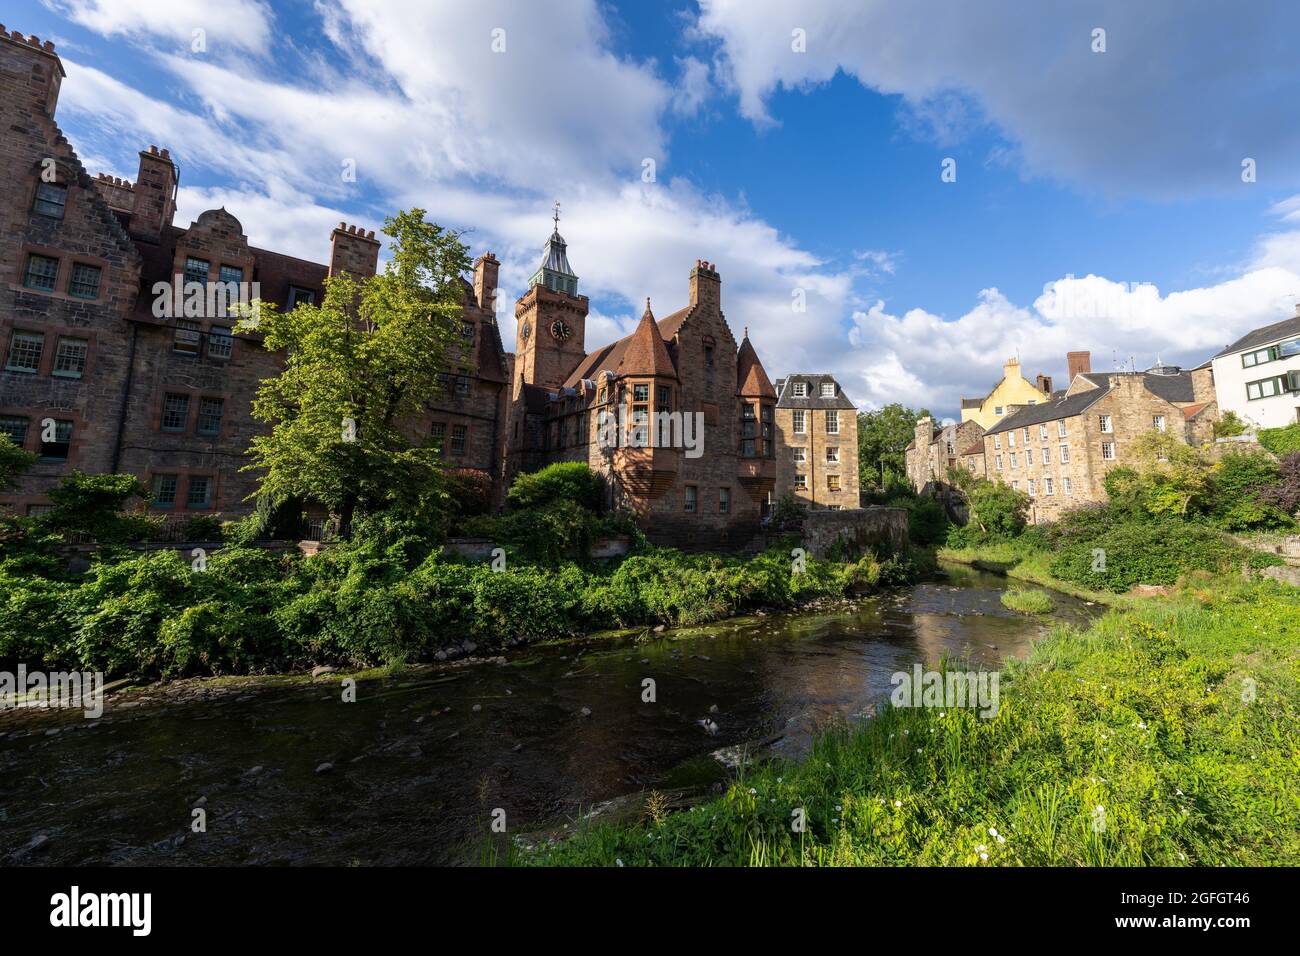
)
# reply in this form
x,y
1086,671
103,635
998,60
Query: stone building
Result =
x,y
677,416
934,451
112,366
1012,389
817,443
1060,451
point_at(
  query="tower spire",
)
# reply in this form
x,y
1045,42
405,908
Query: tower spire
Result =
x,y
555,273
556,217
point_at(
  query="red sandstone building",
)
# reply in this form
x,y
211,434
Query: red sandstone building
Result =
x,y
97,378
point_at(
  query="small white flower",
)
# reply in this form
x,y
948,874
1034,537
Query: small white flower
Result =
x,y
1001,838
984,856
618,861
993,831
898,803
752,791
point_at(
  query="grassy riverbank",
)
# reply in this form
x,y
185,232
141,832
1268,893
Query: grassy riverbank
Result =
x,y
1020,560
1177,716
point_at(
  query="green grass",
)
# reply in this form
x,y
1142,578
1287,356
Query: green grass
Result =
x,y
1179,716
1028,602
1020,560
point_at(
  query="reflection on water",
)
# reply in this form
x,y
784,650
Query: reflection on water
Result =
x,y
287,773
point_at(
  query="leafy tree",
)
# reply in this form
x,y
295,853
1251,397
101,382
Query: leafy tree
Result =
x,y
358,367
1285,495
13,462
1230,425
1237,501
996,510
1175,476
94,506
883,436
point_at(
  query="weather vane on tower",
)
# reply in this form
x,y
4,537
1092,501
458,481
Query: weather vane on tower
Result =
x,y
556,217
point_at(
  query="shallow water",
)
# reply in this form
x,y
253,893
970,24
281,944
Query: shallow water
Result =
x,y
417,771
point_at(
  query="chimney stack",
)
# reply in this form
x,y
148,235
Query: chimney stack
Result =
x,y
486,268
1044,383
1078,363
154,201
35,66
354,251
706,286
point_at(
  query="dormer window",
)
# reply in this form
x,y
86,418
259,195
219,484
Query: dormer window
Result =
x,y
51,200
828,389
800,389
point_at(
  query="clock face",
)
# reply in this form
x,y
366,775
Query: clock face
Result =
x,y
526,331
560,330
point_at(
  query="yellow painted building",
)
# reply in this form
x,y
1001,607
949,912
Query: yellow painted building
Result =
x,y
1014,389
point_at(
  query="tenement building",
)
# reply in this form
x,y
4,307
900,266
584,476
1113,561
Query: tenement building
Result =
x,y
1060,451
121,354
113,364
817,442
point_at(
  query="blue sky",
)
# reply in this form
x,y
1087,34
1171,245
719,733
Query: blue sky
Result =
x,y
1099,201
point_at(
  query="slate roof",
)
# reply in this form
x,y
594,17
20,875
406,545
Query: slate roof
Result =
x,y
1050,411
814,398
1172,388
1264,336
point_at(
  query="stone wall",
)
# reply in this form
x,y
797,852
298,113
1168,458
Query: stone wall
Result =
x,y
882,530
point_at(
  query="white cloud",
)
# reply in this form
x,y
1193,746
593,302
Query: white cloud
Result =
x,y
242,24
1181,95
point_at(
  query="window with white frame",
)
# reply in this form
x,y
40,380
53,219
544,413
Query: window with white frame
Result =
x,y
1065,454
1042,433
832,454
828,389
832,423
1065,486
1047,456
1108,451
1047,487
1060,428
1158,422
1033,488
800,389
997,462
1105,423
797,421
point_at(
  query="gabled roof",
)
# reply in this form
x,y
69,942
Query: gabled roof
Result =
x,y
1066,407
752,380
1264,336
813,393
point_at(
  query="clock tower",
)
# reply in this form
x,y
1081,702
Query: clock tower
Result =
x,y
551,318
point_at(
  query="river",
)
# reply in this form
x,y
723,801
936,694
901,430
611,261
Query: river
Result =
x,y
288,773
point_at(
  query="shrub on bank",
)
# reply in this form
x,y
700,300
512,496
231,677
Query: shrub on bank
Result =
x,y
1155,551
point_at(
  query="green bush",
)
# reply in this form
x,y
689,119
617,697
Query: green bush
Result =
x,y
1236,487
1281,441
572,482
1145,552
